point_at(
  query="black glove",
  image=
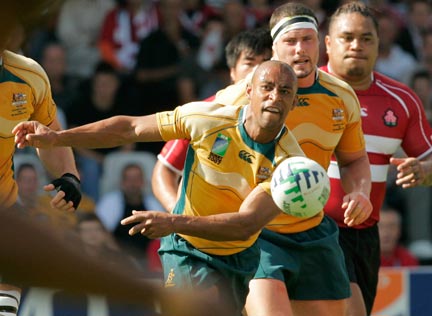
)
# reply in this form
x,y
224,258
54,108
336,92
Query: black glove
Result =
x,y
70,185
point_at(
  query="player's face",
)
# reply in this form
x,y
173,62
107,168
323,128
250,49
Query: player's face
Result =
x,y
272,96
246,63
299,48
352,46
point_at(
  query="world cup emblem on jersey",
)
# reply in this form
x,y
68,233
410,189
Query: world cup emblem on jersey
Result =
x,y
219,148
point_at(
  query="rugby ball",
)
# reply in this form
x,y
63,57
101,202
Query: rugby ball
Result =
x,y
300,187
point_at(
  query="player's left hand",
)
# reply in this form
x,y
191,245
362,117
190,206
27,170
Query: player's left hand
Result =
x,y
357,208
152,224
68,194
33,133
410,172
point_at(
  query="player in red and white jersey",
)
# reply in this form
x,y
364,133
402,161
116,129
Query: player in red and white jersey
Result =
x,y
243,53
392,116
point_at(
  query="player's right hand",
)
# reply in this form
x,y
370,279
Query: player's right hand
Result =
x,y
152,224
33,133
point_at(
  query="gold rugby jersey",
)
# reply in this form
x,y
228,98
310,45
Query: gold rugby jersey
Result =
x,y
25,94
327,117
223,164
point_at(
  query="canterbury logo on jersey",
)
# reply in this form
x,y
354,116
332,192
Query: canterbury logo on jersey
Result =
x,y
303,102
243,154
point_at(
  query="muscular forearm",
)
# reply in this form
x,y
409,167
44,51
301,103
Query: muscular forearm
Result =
x,y
58,161
165,185
356,177
112,132
221,227
255,212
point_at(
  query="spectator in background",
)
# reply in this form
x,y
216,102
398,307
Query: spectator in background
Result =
x,y
421,83
193,16
37,202
96,240
259,11
418,21
40,34
160,56
160,79
217,33
124,26
393,253
392,60
119,204
54,62
98,98
426,53
78,29
18,37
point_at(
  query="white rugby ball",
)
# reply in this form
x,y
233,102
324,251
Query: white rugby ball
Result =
x,y
300,186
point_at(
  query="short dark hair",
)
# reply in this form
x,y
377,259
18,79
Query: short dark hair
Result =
x,y
131,165
355,7
23,166
420,73
104,67
291,9
255,42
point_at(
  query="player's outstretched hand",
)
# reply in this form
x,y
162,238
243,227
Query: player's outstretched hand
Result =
x,y
410,172
152,224
33,133
357,208
68,194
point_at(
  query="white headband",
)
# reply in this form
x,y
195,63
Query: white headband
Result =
x,y
292,23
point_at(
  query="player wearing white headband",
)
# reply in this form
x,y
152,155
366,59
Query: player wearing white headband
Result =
x,y
302,270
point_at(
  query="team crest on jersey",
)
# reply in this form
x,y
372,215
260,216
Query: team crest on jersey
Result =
x,y
263,173
19,99
219,148
390,118
337,114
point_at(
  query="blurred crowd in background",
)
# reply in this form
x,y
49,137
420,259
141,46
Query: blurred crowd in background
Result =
x,y
136,57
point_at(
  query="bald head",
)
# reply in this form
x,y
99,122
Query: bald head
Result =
x,y
286,73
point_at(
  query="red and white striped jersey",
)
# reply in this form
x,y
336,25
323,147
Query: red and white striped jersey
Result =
x,y
392,116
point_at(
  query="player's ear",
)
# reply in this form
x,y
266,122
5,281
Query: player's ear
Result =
x,y
327,43
249,90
